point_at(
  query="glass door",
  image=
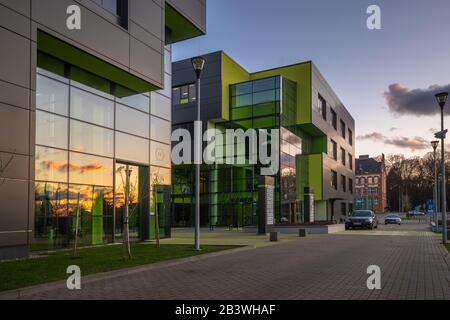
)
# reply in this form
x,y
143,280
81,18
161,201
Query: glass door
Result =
x,y
138,188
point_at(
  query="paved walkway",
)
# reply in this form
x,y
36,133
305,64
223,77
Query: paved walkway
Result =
x,y
414,266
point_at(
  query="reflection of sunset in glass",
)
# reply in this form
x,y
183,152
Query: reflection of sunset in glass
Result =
x,y
121,183
84,169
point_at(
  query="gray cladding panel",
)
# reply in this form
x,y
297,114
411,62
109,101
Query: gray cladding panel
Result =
x,y
14,129
14,95
193,10
14,208
211,89
15,58
14,21
97,34
21,6
148,15
320,86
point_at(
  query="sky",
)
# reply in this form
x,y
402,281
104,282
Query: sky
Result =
x,y
386,78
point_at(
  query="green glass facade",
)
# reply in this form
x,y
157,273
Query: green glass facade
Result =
x,y
230,192
294,99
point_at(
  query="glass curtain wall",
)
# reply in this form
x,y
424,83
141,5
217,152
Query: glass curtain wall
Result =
x,y
85,132
230,193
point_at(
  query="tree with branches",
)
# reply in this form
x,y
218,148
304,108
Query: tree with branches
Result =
x,y
4,164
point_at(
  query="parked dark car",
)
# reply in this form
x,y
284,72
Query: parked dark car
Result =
x,y
393,219
364,219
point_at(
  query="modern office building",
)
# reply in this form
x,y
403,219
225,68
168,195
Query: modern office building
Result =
x,y
80,109
316,143
370,187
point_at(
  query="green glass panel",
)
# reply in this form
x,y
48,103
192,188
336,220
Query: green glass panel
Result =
x,y
265,109
50,63
265,123
242,101
264,97
242,113
241,89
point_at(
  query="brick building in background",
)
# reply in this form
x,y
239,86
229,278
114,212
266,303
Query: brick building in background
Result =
x,y
370,187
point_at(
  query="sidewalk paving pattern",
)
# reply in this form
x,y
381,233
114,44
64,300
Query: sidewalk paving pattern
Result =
x,y
414,266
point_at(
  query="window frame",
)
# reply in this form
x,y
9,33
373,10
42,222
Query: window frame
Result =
x,y
322,107
177,98
334,180
334,151
334,119
343,129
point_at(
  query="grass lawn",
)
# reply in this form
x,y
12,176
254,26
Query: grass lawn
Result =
x,y
52,267
448,247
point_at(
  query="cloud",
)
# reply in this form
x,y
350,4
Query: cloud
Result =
x,y
372,136
415,144
393,129
433,131
420,102
63,166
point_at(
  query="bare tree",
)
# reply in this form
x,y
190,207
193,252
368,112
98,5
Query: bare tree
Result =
x,y
156,182
126,225
4,164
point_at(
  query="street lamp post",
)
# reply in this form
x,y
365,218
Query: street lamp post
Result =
x,y
198,63
442,100
435,145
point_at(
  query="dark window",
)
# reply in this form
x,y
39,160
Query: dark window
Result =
x,y
113,6
350,137
343,156
334,178
350,161
322,107
350,185
333,119
344,183
343,209
184,94
176,96
334,150
343,129
118,8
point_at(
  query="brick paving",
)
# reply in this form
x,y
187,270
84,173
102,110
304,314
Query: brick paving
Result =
x,y
414,267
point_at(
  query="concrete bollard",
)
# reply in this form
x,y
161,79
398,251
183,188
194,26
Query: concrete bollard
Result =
x,y
274,236
302,233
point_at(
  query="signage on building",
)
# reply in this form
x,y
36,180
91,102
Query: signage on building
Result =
x,y
270,206
266,205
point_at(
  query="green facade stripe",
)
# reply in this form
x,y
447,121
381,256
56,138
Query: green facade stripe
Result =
x,y
232,73
300,73
310,174
79,58
179,27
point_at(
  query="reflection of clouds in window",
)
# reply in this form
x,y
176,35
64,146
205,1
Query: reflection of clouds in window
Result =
x,y
91,170
51,164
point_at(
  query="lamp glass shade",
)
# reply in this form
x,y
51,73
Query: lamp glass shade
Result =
x,y
442,98
198,63
435,144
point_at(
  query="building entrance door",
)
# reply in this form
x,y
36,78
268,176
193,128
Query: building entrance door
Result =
x,y
132,198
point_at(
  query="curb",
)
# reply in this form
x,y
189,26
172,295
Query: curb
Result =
x,y
17,294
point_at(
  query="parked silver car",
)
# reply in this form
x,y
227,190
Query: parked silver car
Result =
x,y
393,219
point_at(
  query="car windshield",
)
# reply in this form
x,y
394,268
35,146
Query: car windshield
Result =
x,y
392,217
362,214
